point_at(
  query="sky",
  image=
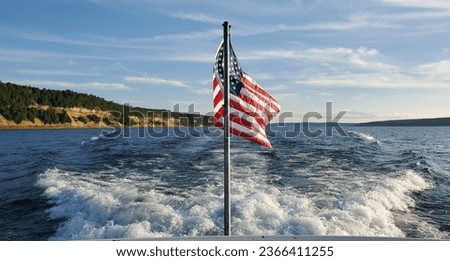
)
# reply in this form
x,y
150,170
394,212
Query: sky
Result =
x,y
374,59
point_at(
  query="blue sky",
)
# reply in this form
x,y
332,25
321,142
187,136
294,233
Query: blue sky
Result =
x,y
376,59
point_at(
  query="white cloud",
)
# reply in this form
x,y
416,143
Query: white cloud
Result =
x,y
365,116
23,55
358,68
201,90
189,36
175,83
361,58
360,96
190,57
394,20
419,3
155,81
197,17
325,94
354,22
438,70
93,40
77,85
375,81
359,115
88,40
55,72
286,96
37,56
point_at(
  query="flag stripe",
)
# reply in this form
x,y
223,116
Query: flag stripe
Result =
x,y
251,96
218,115
251,83
260,93
237,116
254,106
241,131
247,121
218,99
244,108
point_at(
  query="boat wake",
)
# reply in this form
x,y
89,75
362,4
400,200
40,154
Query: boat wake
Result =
x,y
363,137
102,205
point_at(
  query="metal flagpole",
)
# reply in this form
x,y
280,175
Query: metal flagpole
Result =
x,y
226,104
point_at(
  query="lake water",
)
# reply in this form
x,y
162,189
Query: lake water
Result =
x,y
81,184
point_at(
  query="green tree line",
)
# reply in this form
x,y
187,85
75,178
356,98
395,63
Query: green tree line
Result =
x,y
18,103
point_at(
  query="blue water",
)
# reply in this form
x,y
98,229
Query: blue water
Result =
x,y
80,184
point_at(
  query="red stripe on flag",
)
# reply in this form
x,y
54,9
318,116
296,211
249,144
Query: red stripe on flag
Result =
x,y
247,124
252,138
264,142
261,121
218,115
218,99
259,108
256,90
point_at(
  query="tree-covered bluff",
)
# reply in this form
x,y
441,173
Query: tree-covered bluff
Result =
x,y
28,107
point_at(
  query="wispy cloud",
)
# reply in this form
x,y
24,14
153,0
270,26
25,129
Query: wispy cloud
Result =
x,y
189,36
365,116
197,17
38,56
55,72
376,81
155,81
24,55
77,85
437,71
195,57
325,94
419,3
287,96
47,37
361,68
360,58
411,22
354,21
403,16
88,40
360,96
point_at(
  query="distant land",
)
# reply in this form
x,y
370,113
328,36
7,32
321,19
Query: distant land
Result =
x,y
409,122
26,107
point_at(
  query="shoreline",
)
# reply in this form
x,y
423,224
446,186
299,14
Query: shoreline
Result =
x,y
89,127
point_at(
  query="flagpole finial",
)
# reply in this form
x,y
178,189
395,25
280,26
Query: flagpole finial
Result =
x,y
226,26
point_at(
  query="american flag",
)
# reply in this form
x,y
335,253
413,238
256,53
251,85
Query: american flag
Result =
x,y
251,107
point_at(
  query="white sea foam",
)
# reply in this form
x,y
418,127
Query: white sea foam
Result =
x,y
119,209
362,136
125,208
